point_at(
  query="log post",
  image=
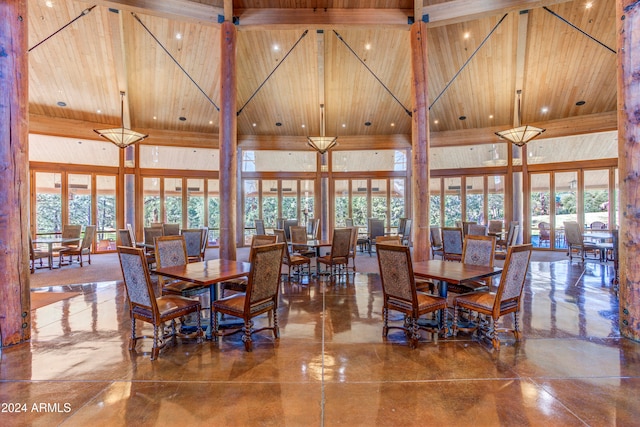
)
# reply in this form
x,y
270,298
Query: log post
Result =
x,y
228,140
15,309
628,13
420,142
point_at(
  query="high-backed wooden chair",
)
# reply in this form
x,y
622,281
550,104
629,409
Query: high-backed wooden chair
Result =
x,y
576,242
400,294
83,249
452,243
170,229
435,237
505,300
145,306
171,251
36,254
261,297
513,239
298,262
375,228
476,250
339,255
259,225
299,246
477,230
240,284
353,245
405,234
193,240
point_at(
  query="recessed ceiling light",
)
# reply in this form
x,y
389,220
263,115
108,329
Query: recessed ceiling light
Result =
x,y
579,103
182,119
61,104
155,118
589,5
467,35
178,36
367,123
435,122
48,3
276,47
99,111
462,118
304,126
367,46
255,124
545,110
393,124
344,125
491,116
278,124
210,122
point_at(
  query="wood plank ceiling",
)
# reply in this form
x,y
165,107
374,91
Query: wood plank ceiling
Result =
x,y
166,58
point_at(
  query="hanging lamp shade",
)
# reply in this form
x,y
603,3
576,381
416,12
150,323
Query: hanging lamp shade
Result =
x,y
322,144
520,135
122,137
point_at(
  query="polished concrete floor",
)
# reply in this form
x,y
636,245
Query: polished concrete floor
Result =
x,y
331,365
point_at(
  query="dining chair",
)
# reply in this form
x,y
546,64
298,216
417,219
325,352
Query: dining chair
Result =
x,y
452,243
400,293
288,223
465,226
36,254
348,222
261,296
375,228
297,261
506,299
476,250
150,235
389,240
353,246
598,225
171,251
435,238
513,240
506,241
576,242
406,232
495,227
170,229
70,231
193,241
401,224
204,242
339,255
259,225
240,284
299,246
79,251
477,230
145,306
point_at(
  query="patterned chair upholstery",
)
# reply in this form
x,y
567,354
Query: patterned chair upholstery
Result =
x,y
240,284
452,243
505,300
400,293
476,250
477,230
170,229
263,288
435,237
171,251
339,255
145,306
193,241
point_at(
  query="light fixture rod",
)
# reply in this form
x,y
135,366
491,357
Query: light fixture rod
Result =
x,y
84,12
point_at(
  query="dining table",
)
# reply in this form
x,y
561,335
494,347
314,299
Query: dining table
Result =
x,y
446,272
207,273
50,241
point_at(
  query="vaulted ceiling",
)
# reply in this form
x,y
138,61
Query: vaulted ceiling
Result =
x,y
292,56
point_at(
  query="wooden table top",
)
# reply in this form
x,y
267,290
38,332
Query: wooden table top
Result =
x,y
207,272
316,243
452,272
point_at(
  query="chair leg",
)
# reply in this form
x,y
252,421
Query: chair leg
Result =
x,y
246,338
455,320
214,332
415,333
516,326
156,339
132,340
276,328
493,334
385,320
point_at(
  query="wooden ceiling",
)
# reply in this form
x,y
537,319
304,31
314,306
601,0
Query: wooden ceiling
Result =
x,y
293,56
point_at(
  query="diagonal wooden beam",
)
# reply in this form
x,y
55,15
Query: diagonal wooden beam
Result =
x,y
456,11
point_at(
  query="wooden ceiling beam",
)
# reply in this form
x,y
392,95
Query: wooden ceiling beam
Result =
x,y
593,123
456,11
262,19
182,10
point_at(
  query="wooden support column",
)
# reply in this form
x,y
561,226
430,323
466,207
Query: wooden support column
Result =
x,y
420,142
15,309
628,14
228,140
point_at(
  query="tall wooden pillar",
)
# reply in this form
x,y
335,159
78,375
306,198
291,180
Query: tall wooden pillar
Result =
x,y
420,142
628,14
15,309
228,140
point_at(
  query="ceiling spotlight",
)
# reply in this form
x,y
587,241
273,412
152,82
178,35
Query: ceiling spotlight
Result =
x,y
544,110
580,103
61,104
182,119
367,123
462,118
178,36
278,124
